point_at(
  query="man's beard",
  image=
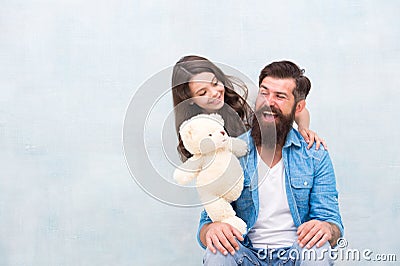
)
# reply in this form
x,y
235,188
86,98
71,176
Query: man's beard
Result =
x,y
271,134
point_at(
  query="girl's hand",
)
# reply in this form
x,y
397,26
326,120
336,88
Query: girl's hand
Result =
x,y
310,137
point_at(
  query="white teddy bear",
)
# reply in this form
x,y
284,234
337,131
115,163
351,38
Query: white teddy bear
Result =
x,y
214,163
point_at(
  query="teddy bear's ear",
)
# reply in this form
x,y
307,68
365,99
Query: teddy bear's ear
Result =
x,y
218,118
185,130
184,123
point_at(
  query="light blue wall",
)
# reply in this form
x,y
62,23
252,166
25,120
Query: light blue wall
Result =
x,y
68,70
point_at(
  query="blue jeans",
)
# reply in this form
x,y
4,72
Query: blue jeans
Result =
x,y
294,255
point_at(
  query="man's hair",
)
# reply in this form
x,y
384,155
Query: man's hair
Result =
x,y
287,69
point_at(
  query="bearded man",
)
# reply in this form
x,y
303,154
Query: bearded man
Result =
x,y
289,201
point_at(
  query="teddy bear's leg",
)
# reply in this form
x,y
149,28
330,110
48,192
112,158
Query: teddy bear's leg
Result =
x,y
236,222
221,210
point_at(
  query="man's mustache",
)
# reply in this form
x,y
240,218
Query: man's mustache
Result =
x,y
272,109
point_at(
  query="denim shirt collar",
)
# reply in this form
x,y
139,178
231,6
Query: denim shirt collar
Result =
x,y
292,138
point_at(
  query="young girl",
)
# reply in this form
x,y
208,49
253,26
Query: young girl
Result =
x,y
199,86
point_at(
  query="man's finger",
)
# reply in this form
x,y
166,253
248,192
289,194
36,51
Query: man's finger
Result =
x,y
308,236
227,239
304,228
218,245
234,237
305,233
322,241
317,236
210,245
237,234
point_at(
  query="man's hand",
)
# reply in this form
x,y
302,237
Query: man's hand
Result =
x,y
221,236
317,232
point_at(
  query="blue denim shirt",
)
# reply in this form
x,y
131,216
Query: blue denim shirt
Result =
x,y
309,180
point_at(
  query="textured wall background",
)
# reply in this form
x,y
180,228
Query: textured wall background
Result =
x,y
68,70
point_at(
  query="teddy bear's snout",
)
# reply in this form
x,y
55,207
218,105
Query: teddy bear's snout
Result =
x,y
223,133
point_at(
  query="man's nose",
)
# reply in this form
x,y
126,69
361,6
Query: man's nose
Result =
x,y
270,100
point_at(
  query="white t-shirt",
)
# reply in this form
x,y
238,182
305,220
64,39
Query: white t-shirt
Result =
x,y
274,227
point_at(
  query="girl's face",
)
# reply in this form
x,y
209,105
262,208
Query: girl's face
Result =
x,y
207,92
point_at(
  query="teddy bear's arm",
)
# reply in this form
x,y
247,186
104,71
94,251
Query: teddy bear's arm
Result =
x,y
238,147
188,170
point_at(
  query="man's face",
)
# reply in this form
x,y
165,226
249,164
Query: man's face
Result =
x,y
274,111
276,95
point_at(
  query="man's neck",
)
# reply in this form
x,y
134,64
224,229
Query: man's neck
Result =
x,y
270,156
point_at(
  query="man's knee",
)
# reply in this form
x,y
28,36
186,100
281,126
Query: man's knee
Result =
x,y
218,258
315,256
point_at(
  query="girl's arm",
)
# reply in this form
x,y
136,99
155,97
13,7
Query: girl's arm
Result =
x,y
302,120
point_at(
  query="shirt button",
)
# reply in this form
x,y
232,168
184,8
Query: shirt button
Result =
x,y
305,183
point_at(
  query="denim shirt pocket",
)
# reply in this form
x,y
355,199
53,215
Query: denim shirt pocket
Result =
x,y
301,187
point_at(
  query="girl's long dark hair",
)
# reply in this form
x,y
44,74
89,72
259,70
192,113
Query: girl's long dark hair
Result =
x,y
235,112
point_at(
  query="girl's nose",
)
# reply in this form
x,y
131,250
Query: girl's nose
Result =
x,y
214,93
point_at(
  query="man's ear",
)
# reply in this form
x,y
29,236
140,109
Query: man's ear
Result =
x,y
300,105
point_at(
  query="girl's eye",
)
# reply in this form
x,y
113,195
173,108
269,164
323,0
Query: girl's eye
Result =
x,y
202,93
215,82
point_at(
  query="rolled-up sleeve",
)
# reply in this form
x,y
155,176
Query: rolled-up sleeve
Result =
x,y
204,219
324,202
